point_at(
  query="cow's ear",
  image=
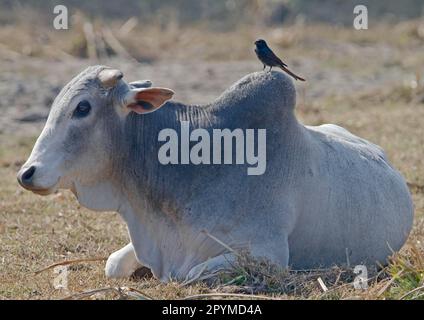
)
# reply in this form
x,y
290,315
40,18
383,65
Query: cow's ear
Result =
x,y
146,100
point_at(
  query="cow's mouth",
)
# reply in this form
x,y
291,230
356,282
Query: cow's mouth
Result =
x,y
42,191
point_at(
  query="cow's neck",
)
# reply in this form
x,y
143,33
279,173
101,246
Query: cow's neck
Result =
x,y
166,187
137,162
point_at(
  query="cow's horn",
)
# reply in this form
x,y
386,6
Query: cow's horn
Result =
x,y
110,77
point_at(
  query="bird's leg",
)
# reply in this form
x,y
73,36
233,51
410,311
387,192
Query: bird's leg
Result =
x,y
270,69
264,67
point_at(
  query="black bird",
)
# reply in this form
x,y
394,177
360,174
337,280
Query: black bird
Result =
x,y
268,58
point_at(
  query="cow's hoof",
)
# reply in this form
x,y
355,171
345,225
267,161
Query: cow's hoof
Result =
x,y
119,267
142,273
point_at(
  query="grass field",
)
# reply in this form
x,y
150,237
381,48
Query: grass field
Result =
x,y
369,83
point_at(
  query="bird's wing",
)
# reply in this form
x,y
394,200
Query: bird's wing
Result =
x,y
275,59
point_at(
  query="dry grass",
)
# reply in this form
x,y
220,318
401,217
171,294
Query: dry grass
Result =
x,y
147,43
38,231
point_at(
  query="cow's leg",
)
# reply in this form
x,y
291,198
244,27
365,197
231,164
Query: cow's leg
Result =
x,y
211,267
122,263
276,251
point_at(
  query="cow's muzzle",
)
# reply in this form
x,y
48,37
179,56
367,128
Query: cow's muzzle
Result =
x,y
26,180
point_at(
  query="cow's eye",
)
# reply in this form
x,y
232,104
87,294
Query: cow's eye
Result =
x,y
83,109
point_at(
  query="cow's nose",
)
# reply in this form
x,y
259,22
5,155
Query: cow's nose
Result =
x,y
25,177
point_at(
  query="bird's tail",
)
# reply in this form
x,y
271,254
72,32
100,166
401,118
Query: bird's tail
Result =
x,y
292,74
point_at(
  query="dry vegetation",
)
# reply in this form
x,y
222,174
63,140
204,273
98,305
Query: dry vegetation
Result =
x,y
369,82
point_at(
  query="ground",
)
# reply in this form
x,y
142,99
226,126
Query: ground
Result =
x,y
369,83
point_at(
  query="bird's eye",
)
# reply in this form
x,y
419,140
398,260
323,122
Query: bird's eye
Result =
x,y
83,109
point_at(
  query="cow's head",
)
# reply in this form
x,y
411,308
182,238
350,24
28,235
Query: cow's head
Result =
x,y
83,126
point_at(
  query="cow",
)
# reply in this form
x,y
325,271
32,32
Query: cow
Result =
x,y
326,197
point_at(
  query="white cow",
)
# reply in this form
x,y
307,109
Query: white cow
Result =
x,y
326,195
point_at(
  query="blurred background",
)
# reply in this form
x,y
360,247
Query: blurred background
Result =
x,y
369,81
200,47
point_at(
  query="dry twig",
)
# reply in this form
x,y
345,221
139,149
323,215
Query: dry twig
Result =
x,y
68,262
235,295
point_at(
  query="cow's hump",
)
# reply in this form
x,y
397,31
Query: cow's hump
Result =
x,y
262,89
